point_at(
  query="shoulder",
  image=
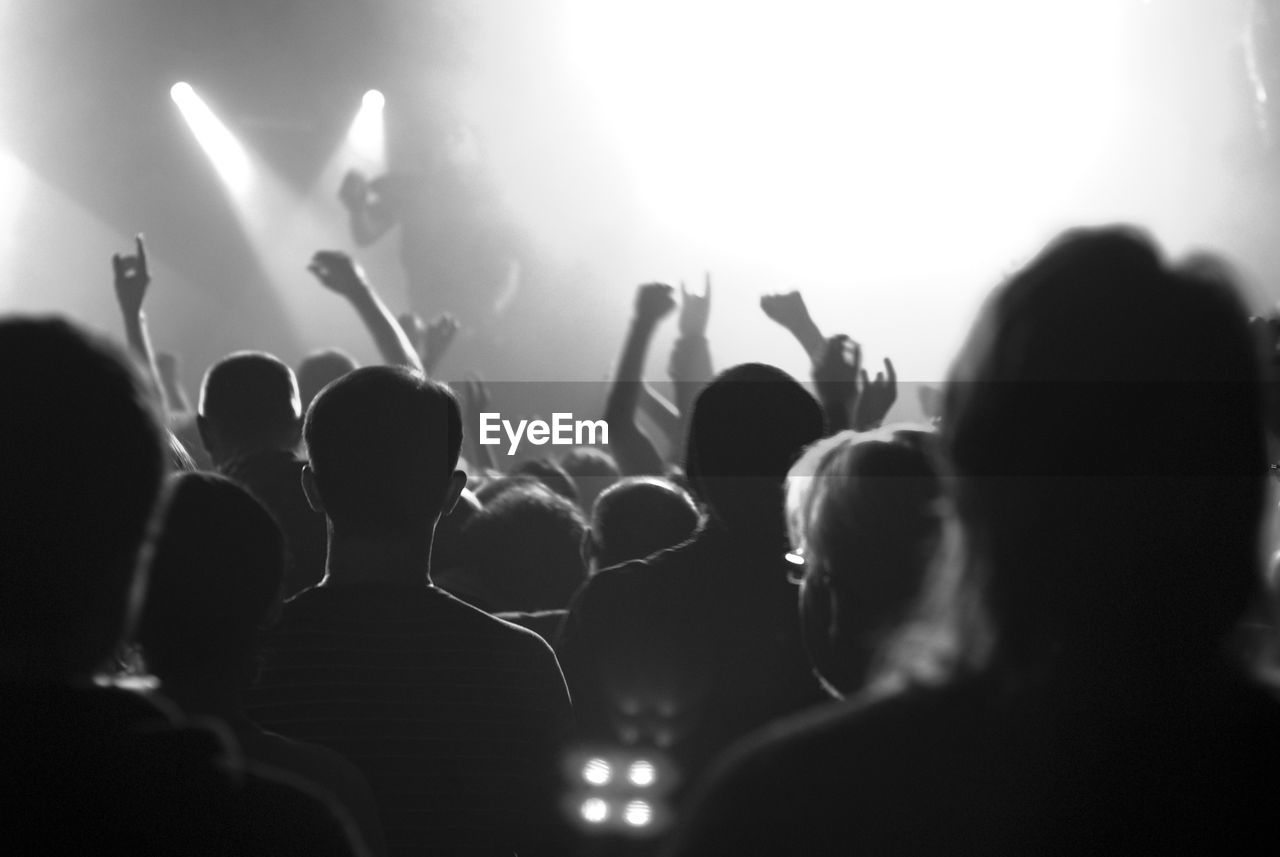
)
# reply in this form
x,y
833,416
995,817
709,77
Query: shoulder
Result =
x,y
659,573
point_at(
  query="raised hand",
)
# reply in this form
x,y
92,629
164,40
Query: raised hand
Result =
x,y
875,398
838,369
788,309
354,191
131,279
654,301
436,339
695,310
339,273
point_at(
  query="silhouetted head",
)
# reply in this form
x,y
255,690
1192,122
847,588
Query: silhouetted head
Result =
x,y
493,488
319,369
384,445
522,550
216,578
550,474
747,428
248,403
593,470
636,517
73,515
864,514
1105,421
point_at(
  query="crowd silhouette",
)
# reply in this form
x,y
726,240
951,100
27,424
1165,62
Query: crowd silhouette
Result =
x,y
312,615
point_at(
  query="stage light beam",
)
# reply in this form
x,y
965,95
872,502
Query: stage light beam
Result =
x,y
227,154
367,135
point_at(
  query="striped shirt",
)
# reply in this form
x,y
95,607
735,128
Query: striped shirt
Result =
x,y
456,718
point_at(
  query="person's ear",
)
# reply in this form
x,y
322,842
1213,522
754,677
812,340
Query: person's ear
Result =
x,y
457,484
312,490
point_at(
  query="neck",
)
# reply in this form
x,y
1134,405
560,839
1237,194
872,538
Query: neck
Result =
x,y
364,560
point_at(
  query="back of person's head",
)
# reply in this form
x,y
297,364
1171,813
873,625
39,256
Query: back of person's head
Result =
x,y
73,515
639,516
249,402
1105,421
864,511
550,474
523,550
384,444
747,428
216,577
494,488
321,368
593,470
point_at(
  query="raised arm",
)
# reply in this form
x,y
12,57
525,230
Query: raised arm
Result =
x,y
788,309
837,368
131,282
690,366
664,414
339,273
431,341
633,449
175,395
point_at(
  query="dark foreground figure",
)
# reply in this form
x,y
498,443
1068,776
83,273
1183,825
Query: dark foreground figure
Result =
x,y
1073,690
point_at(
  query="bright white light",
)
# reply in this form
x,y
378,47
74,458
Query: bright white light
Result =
x,y
228,156
595,810
642,773
638,813
597,772
367,135
811,129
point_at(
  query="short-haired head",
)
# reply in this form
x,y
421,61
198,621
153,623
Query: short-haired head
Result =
x,y
523,550
73,514
747,428
593,470
551,474
210,595
321,368
384,444
248,402
639,516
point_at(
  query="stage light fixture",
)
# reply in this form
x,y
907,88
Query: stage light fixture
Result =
x,y
594,810
597,772
367,135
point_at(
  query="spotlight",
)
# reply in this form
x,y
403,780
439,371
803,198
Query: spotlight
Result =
x,y
595,810
597,772
638,813
224,150
367,135
642,773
